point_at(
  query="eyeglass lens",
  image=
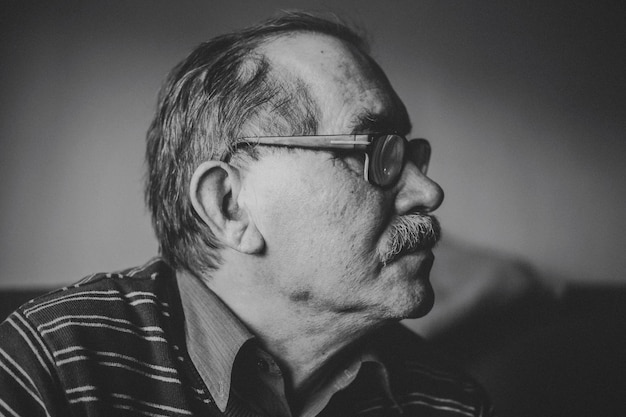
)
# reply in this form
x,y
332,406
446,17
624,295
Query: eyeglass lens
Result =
x,y
387,158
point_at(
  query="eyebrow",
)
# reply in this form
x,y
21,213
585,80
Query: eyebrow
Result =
x,y
369,122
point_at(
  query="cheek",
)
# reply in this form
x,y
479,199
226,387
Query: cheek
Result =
x,y
336,199
313,206
342,222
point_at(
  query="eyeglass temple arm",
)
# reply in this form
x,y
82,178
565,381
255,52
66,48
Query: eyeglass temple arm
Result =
x,y
318,141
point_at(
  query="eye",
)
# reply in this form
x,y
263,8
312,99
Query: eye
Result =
x,y
350,162
387,158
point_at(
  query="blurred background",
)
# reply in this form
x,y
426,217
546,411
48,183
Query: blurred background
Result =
x,y
524,104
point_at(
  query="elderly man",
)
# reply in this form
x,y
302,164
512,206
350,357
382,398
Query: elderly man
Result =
x,y
294,228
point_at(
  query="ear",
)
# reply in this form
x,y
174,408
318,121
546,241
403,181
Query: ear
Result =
x,y
214,190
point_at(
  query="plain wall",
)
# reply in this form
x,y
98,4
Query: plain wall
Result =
x,y
524,104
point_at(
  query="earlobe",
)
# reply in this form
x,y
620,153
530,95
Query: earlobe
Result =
x,y
214,191
251,240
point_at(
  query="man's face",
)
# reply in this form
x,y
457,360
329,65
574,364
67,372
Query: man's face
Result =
x,y
324,225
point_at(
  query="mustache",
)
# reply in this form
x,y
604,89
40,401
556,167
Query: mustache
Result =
x,y
410,233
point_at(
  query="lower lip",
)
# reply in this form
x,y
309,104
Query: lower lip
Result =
x,y
429,260
426,258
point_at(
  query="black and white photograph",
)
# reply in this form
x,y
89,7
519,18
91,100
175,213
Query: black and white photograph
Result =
x,y
289,208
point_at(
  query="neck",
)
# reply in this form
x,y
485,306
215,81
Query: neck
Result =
x,y
303,339
305,350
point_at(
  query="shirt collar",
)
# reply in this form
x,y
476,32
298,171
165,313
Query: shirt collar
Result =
x,y
346,375
214,335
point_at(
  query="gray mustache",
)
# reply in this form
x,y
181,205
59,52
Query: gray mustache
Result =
x,y
410,233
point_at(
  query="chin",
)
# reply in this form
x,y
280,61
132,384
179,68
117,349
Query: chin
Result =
x,y
417,296
424,305
410,303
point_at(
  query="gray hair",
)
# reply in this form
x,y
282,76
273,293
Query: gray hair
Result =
x,y
224,90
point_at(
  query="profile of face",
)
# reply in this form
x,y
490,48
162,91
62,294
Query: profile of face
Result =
x,y
333,241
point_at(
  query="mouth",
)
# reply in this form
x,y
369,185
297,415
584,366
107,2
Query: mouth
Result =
x,y
429,260
409,234
423,255
427,245
423,248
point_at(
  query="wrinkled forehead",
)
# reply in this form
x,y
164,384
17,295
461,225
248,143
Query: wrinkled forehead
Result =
x,y
351,91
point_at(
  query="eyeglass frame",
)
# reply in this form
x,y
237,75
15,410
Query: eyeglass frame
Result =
x,y
360,142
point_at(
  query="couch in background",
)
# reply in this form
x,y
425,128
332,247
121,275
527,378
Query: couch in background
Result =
x,y
541,348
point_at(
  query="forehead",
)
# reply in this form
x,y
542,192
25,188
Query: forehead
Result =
x,y
351,91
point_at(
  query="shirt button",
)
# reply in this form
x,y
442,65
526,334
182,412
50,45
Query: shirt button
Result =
x,y
263,365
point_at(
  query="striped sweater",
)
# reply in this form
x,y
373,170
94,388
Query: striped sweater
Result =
x,y
114,344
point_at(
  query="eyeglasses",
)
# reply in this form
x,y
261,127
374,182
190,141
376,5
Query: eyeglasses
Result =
x,y
385,155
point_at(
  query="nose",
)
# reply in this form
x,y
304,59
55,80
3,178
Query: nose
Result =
x,y
416,192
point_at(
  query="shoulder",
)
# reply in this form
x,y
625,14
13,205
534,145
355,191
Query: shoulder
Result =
x,y
131,305
109,333
103,292
422,379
